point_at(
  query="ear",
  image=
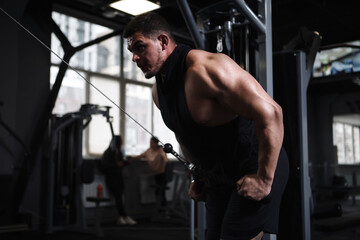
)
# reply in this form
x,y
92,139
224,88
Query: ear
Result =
x,y
164,40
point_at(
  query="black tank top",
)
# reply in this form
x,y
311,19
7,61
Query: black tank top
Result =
x,y
222,153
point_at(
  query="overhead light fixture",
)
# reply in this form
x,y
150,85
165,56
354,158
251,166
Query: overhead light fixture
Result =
x,y
134,7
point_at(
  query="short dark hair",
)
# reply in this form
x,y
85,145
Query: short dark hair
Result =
x,y
148,24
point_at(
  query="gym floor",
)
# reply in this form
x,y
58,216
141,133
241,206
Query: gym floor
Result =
x,y
144,230
345,227
151,231
177,230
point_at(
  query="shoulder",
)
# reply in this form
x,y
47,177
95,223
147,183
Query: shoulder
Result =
x,y
198,63
212,69
216,64
201,56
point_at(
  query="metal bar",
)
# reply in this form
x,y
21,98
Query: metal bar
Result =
x,y
192,220
250,15
310,59
191,24
338,45
201,220
268,47
304,155
265,63
65,43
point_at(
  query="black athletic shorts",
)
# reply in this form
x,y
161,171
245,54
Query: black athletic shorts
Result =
x,y
233,217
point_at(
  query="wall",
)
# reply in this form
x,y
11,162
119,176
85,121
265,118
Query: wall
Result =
x,y
24,91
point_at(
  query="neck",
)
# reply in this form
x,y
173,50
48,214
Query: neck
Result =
x,y
169,50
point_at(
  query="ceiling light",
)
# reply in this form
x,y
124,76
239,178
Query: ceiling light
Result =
x,y
134,7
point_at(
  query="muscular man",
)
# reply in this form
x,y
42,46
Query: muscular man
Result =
x,y
230,127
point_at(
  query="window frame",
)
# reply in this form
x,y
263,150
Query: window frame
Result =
x,y
88,74
345,159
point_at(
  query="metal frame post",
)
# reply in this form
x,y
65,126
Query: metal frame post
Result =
x,y
304,155
262,23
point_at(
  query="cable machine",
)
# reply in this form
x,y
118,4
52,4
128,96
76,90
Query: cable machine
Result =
x,y
66,169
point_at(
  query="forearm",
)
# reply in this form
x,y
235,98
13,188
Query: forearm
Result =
x,y
270,137
269,150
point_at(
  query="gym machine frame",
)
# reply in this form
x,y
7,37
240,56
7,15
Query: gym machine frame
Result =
x,y
70,191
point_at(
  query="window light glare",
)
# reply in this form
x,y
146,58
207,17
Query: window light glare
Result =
x,y
134,7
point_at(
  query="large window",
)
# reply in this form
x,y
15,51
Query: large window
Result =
x,y
346,138
338,60
72,93
139,106
101,58
99,129
119,79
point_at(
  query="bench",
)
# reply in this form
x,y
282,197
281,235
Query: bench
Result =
x,y
97,201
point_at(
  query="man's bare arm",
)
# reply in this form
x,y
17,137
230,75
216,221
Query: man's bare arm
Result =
x,y
237,91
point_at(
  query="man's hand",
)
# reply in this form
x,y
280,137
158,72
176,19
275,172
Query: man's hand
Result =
x,y
253,187
195,193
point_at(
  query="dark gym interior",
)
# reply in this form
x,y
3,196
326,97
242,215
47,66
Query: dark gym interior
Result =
x,y
54,128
